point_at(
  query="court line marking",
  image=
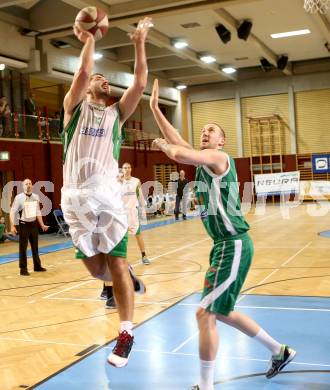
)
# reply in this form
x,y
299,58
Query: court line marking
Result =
x,y
68,288
160,303
43,341
244,296
191,337
220,356
280,267
153,258
156,257
78,299
283,308
103,300
134,265
265,307
263,218
292,257
175,250
184,342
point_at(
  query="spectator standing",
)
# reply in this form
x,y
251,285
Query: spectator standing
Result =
x,y
4,116
24,214
181,195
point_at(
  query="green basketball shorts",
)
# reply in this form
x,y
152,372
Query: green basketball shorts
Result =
x,y
120,250
230,261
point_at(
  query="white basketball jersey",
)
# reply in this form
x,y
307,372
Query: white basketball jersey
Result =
x,y
92,144
130,192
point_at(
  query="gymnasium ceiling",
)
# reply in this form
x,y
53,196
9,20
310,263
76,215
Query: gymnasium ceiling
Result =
x,y
307,53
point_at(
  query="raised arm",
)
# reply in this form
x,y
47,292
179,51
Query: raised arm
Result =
x,y
215,159
133,94
169,132
80,82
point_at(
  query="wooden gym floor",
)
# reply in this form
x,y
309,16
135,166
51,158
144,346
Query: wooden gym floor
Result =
x,y
49,318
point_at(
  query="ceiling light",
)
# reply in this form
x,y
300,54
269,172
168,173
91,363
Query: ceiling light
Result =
x,y
229,70
97,56
207,58
2,66
181,86
223,32
179,43
244,30
290,33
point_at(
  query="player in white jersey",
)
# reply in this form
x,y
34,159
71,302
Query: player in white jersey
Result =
x,y
91,195
134,202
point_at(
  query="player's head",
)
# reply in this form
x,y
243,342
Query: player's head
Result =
x,y
2,220
98,87
27,186
182,174
127,169
212,137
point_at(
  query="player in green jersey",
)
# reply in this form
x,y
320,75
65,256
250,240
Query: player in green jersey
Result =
x,y
232,252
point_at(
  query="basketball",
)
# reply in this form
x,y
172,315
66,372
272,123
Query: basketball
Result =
x,y
93,20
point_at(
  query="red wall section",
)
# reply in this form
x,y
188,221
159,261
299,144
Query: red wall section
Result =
x,y
144,167
290,162
243,172
36,160
42,161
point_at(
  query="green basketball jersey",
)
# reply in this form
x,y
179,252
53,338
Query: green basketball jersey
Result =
x,y
218,197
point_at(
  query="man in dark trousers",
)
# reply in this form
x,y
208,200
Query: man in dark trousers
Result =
x,y
24,214
31,112
181,195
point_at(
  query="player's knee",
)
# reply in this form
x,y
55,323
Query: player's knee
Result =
x,y
119,267
226,318
202,317
99,272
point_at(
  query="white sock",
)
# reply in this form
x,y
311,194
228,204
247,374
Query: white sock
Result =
x,y
265,339
206,374
128,326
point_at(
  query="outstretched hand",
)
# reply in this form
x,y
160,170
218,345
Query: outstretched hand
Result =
x,y
154,95
159,144
81,34
141,32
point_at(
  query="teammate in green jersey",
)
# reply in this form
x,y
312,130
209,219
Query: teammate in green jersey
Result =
x,y
232,252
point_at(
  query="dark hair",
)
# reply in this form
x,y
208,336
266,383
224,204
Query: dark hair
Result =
x,y
95,74
126,162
